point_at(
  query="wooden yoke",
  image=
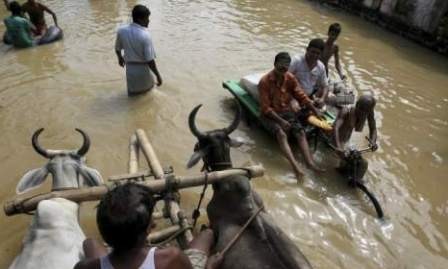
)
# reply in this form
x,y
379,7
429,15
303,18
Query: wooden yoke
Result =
x,y
25,204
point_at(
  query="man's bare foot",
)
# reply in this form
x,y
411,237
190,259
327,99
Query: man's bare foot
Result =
x,y
299,174
317,169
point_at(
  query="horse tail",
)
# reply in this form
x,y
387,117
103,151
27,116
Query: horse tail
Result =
x,y
376,204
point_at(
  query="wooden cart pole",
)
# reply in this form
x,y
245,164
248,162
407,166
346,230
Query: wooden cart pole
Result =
x,y
154,236
150,154
153,162
133,155
171,206
177,218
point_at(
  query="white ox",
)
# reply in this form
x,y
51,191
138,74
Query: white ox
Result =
x,y
54,239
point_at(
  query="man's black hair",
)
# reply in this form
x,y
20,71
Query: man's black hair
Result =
x,y
15,8
282,56
140,12
335,27
317,43
124,215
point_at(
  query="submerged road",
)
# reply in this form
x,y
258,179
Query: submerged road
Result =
x,y
77,83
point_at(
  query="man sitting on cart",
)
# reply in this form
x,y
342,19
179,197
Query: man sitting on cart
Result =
x,y
310,72
277,88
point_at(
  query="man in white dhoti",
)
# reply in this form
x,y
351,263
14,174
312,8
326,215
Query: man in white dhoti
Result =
x,y
134,49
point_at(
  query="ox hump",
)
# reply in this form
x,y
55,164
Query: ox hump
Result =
x,y
57,212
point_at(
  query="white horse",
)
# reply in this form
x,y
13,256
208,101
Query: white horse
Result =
x,y
54,239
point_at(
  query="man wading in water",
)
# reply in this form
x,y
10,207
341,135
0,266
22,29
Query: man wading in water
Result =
x,y
124,221
139,55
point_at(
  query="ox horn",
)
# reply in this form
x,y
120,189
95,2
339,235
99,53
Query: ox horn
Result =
x,y
236,120
36,145
192,122
86,143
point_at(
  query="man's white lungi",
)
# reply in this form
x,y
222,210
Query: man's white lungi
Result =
x,y
136,42
139,78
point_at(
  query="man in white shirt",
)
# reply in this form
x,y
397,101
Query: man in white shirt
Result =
x,y
310,72
139,55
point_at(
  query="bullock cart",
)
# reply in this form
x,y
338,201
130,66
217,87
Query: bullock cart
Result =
x,y
161,181
246,93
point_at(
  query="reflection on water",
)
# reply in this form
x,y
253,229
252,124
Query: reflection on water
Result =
x,y
78,83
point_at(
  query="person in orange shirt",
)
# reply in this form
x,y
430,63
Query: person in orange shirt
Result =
x,y
277,89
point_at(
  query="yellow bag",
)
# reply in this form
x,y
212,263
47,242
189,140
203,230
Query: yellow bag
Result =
x,y
322,124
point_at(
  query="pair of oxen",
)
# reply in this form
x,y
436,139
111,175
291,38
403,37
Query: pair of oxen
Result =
x,y
54,239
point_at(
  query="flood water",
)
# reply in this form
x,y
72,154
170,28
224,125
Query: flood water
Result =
x,y
77,83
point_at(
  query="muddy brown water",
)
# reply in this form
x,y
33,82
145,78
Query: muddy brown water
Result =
x,y
78,83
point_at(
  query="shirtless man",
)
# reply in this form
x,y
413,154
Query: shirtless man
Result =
x,y
36,11
354,118
124,221
331,49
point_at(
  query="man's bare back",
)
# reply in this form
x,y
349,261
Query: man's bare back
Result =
x,y
329,51
354,118
332,49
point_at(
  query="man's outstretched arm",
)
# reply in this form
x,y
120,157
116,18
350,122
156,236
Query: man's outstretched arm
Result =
x,y
118,48
303,99
337,63
321,96
336,128
119,58
93,250
372,130
55,19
